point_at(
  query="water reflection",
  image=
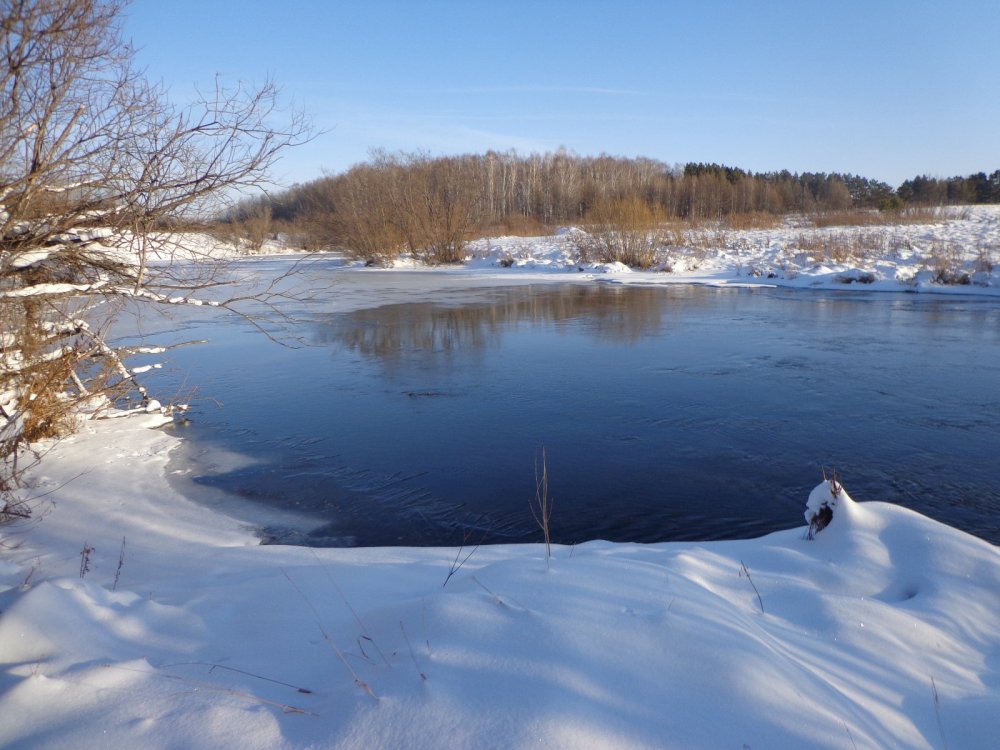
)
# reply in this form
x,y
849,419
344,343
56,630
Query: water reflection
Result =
x,y
423,329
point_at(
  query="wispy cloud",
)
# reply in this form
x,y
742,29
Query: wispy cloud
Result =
x,y
493,90
534,89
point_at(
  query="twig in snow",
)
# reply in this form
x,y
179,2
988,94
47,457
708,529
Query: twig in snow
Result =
x,y
26,583
212,667
835,486
850,736
326,636
412,655
85,554
500,602
746,571
937,713
306,691
541,509
423,624
364,630
361,648
456,565
286,708
118,570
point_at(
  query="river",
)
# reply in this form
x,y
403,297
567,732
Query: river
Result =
x,y
415,406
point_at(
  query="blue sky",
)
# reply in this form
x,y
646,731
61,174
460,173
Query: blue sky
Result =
x,y
885,89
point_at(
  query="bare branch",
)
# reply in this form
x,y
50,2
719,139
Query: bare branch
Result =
x,y
96,167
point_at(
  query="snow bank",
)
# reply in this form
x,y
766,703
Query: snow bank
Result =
x,y
958,254
883,631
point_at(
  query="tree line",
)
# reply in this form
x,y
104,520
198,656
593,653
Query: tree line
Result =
x,y
933,191
429,205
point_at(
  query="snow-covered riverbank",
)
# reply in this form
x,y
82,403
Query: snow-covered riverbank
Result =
x,y
957,253
132,617
882,632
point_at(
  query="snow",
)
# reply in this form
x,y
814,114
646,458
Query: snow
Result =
x,y
130,616
894,257
43,290
883,631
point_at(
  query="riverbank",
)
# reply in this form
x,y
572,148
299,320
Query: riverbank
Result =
x,y
176,629
958,253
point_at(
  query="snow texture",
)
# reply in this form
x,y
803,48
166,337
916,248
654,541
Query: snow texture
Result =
x,y
959,253
881,632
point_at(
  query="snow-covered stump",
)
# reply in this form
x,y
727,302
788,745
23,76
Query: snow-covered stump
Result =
x,y
823,503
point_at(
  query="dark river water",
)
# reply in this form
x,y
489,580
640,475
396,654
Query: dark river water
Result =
x,y
417,409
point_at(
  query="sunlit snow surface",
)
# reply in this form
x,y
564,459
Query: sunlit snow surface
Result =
x,y
904,257
882,632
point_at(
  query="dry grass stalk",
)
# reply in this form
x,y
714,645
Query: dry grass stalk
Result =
x,y
876,218
329,641
753,220
85,554
118,570
354,614
201,684
937,713
459,561
541,509
745,571
412,655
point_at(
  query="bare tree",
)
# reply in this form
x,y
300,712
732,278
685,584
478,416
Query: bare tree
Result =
x,y
627,230
442,206
96,168
366,222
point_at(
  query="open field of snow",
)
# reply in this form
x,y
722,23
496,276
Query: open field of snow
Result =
x,y
132,617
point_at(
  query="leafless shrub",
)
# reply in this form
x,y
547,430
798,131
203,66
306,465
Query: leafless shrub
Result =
x,y
701,242
13,506
365,222
96,167
985,259
255,229
825,246
849,246
429,207
947,263
438,206
627,230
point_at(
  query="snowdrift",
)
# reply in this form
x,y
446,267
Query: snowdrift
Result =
x,y
882,631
